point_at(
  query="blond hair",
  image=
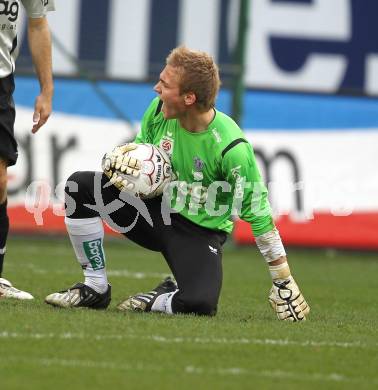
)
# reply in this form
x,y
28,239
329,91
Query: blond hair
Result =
x,y
198,74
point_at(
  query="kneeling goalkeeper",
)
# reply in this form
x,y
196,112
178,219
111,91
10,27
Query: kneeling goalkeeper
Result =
x,y
217,178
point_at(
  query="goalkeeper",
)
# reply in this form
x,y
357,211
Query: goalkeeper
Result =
x,y
217,178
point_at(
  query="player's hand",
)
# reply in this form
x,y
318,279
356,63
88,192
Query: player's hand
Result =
x,y
116,165
122,162
42,111
120,182
117,179
287,301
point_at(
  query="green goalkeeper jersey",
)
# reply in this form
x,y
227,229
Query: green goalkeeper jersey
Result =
x,y
216,170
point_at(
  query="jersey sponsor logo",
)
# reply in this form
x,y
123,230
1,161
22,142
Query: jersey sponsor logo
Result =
x,y
239,183
9,9
95,254
235,172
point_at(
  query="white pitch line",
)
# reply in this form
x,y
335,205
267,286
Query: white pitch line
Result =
x,y
334,377
189,340
124,273
191,370
136,275
85,363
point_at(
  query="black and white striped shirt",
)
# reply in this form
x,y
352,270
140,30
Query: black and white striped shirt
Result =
x,y
9,19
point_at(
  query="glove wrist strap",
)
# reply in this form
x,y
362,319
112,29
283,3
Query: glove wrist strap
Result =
x,y
280,272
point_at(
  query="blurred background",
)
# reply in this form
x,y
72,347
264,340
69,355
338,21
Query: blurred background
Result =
x,y
300,76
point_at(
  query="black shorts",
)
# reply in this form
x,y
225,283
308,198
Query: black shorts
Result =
x,y
8,144
193,253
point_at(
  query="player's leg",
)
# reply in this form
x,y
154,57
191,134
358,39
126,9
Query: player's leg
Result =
x,y
4,220
86,232
8,156
7,290
88,196
194,255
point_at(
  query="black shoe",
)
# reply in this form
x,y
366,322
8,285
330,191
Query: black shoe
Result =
x,y
144,301
80,295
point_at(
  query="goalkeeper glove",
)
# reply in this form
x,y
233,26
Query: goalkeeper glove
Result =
x,y
119,160
120,182
117,164
287,301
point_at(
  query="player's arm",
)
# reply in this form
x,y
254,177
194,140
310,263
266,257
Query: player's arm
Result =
x,y
40,48
240,168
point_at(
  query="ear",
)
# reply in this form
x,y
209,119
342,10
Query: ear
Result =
x,y
190,98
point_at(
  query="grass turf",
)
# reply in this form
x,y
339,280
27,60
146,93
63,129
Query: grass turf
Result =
x,y
243,347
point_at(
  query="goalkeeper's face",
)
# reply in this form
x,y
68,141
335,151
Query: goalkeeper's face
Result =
x,y
168,88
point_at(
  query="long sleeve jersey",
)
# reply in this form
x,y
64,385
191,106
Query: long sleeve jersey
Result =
x,y
216,171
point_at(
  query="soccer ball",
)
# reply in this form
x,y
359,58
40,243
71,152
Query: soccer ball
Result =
x,y
155,171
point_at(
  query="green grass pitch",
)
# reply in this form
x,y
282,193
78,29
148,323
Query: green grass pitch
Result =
x,y
243,347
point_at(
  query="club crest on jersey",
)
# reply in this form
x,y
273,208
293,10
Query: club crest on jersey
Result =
x,y
198,164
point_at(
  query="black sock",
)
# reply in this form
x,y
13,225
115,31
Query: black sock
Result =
x,y
4,228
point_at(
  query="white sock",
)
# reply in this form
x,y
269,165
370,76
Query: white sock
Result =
x,y
87,236
163,303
